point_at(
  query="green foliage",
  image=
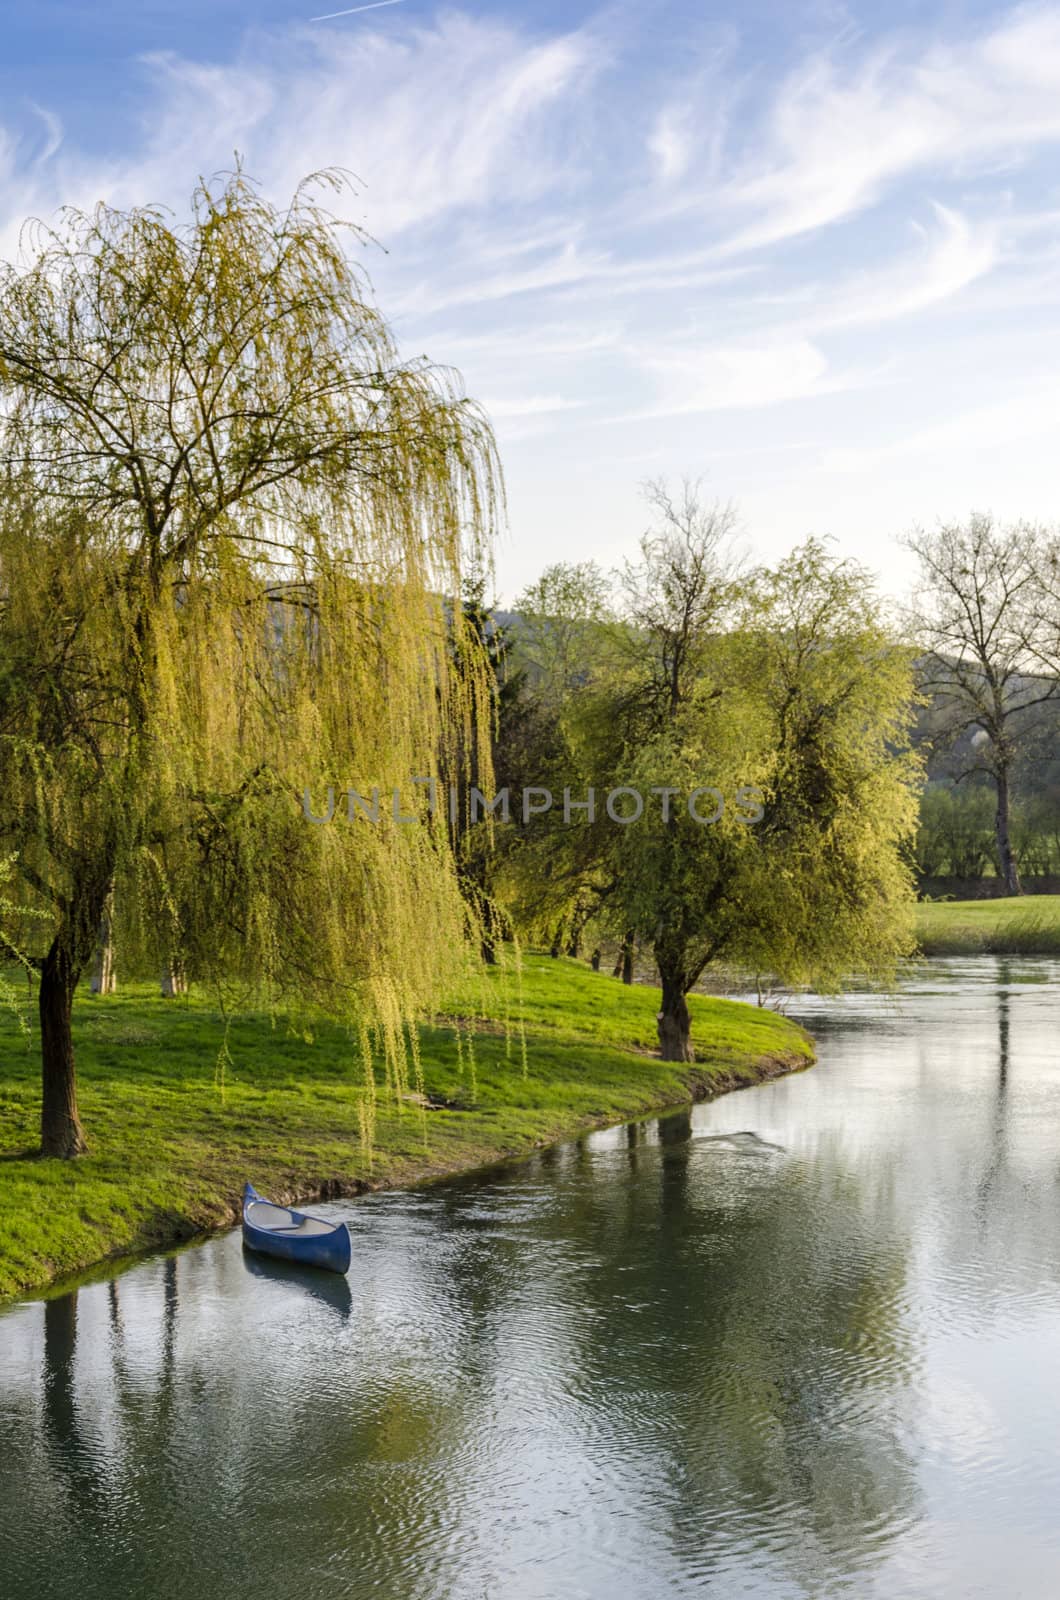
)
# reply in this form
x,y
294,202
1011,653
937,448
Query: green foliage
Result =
x,y
1036,833
785,687
230,514
955,835
829,890
558,634
564,642
675,877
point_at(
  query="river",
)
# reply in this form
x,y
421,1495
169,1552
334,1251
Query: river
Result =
x,y
803,1342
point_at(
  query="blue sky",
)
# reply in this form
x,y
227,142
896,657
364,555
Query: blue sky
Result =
x,y
809,253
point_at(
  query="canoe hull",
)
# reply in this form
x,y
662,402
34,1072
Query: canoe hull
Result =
x,y
331,1251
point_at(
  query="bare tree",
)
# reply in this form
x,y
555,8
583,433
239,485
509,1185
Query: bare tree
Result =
x,y
1046,638
981,618
679,593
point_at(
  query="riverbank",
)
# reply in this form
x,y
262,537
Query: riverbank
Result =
x,y
170,1148
1024,926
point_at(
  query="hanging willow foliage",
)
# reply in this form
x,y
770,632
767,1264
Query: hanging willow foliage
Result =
x,y
232,535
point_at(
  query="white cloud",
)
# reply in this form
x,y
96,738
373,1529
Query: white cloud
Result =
x,y
712,243
957,255
732,378
953,255
432,119
669,142
838,136
567,266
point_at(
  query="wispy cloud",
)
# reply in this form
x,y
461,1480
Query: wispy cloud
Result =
x,y
735,377
598,244
841,132
949,254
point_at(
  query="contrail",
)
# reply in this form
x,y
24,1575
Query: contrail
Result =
x,y
375,6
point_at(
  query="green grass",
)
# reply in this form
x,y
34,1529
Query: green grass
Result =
x,y
1025,926
169,1151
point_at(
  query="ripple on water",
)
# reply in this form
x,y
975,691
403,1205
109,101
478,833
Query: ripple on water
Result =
x,y
799,1343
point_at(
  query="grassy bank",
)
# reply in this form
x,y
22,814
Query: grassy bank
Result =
x,y
170,1151
1026,926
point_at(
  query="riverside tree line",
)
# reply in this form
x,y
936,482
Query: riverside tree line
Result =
x,y
244,550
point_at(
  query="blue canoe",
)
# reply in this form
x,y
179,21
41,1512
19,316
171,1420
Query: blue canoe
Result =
x,y
291,1235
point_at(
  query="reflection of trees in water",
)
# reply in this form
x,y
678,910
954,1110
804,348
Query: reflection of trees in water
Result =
x,y
1003,1022
997,1136
708,1323
675,1129
736,1390
82,1477
721,1321
81,1506
416,1409
60,1345
1002,1197
108,1433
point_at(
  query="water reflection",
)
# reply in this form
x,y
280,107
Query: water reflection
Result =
x,y
796,1343
997,1144
330,1288
60,1338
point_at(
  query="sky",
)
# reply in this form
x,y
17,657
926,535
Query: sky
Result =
x,y
808,254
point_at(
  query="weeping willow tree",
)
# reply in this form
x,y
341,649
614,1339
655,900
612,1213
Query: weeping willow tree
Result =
x,y
758,723
232,531
797,714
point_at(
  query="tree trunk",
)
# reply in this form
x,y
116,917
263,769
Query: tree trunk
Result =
x,y
627,959
674,1022
491,936
1006,856
103,980
174,978
61,1133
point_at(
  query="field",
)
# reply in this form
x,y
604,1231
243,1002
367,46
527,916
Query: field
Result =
x,y
1022,927
170,1144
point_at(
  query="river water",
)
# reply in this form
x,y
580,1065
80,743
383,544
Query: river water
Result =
x,y
802,1343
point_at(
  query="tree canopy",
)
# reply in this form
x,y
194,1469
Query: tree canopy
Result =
x,y
231,519
758,722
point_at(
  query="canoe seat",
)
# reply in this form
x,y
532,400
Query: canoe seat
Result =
x,y
277,1219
